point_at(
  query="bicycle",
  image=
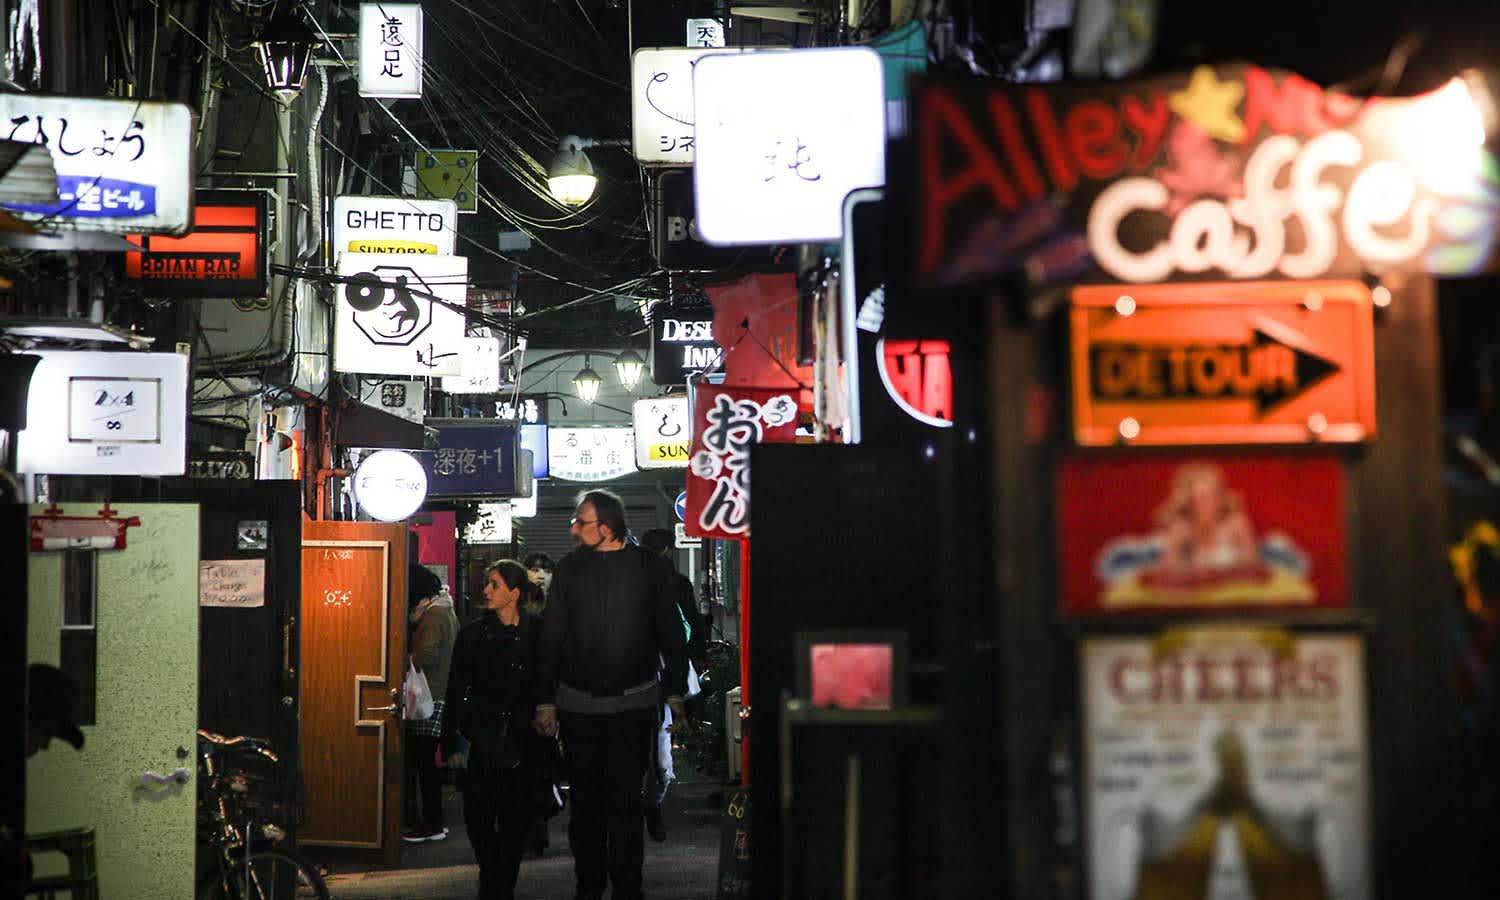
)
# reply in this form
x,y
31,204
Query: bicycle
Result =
x,y
236,806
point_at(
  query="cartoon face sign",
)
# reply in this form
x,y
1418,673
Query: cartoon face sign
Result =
x,y
385,308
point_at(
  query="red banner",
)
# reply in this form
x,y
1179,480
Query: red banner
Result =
x,y
755,321
1201,532
727,421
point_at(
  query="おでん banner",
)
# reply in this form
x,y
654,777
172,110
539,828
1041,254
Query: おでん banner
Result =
x,y
727,422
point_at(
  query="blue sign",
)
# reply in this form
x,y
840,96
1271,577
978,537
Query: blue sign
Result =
x,y
474,458
96,197
534,438
680,507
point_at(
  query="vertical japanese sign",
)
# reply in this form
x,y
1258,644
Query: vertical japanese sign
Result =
x,y
390,50
661,433
726,423
705,33
1226,763
123,166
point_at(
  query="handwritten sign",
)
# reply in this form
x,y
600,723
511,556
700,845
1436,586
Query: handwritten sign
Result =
x,y
774,159
661,433
661,103
479,366
239,583
734,846
388,316
390,50
726,423
114,410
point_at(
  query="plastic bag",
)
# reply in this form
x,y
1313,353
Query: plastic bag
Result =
x,y
419,704
694,687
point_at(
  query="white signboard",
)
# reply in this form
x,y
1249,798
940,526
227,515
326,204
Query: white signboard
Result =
x,y
523,507
661,433
394,225
390,485
98,413
386,321
590,454
682,539
491,524
776,157
390,50
239,583
1225,762
406,399
479,367
661,104
705,33
123,166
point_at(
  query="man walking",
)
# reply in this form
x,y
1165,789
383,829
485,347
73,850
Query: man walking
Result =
x,y
610,621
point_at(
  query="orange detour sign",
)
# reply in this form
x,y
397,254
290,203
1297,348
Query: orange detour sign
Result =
x,y
1223,363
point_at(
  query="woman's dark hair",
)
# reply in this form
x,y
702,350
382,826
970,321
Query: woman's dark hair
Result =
x,y
421,583
539,561
609,508
657,541
511,572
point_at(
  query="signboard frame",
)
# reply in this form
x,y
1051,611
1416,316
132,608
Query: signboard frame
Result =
x,y
669,451
461,444
209,237
371,19
382,214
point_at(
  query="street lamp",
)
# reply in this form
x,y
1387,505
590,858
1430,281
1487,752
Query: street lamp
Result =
x,y
587,382
285,49
571,177
630,366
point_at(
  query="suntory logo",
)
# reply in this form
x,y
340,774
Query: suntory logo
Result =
x,y
369,246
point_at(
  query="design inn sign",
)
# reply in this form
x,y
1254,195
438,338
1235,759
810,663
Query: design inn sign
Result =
x,y
682,343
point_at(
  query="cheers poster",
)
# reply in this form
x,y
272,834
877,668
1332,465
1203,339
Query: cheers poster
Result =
x,y
1226,764
1164,534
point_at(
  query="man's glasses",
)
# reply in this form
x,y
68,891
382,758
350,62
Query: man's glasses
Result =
x,y
582,521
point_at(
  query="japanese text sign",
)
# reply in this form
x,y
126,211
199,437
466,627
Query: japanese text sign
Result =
x,y
479,367
223,256
491,525
388,317
390,50
727,422
1168,534
474,458
590,454
1226,172
705,33
101,413
123,166
661,104
1223,363
661,433
775,159
1226,762
393,225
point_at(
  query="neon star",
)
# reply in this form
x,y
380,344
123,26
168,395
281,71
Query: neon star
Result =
x,y
1210,104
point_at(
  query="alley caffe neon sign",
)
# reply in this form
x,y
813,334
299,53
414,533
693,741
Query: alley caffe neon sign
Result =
x,y
1229,172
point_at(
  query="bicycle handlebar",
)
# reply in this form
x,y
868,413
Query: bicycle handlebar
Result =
x,y
258,745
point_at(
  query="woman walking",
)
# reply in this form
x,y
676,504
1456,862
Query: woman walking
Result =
x,y
434,626
491,703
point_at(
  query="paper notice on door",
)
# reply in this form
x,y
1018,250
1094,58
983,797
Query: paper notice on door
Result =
x,y
232,582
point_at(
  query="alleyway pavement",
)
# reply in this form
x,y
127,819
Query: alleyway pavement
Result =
x,y
685,867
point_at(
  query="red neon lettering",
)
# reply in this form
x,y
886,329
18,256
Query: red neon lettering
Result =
x,y
1149,122
939,117
1094,138
1004,116
1048,134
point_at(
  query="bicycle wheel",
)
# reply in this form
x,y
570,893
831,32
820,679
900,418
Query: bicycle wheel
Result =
x,y
270,875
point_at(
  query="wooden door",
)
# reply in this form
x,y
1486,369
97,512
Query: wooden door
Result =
x,y
353,654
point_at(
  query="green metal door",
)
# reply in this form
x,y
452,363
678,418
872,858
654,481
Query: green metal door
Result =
x,y
144,698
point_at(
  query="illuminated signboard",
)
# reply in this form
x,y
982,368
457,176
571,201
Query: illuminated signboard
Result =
x,y
388,319
223,256
661,104
661,433
1226,363
591,454
393,225
682,341
390,50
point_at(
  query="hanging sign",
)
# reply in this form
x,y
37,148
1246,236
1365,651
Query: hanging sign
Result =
x,y
474,458
591,454
223,256
1268,362
390,485
1165,534
102,413
755,319
661,433
390,50
394,225
406,399
680,538
388,319
234,583
705,33
682,341
123,166
661,104
528,410
1226,172
491,524
679,246
775,159
1226,763
727,422
479,367
449,175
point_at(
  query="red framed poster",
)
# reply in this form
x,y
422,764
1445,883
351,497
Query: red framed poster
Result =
x,y
1162,534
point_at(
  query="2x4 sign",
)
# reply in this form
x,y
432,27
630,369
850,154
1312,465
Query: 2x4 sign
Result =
x,y
223,256
1225,363
123,166
1230,172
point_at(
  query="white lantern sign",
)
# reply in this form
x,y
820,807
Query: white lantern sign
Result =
x,y
390,50
123,166
775,158
390,485
591,454
388,318
661,433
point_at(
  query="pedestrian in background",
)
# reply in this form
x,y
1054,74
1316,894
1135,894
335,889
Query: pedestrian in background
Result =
x,y
434,628
610,623
491,703
539,567
660,771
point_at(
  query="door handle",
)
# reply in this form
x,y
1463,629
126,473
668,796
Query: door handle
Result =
x,y
389,710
